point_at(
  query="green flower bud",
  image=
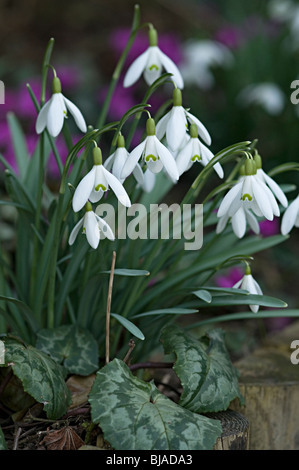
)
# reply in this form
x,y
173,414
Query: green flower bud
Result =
x,y
150,127
247,270
258,161
121,141
153,37
97,156
250,167
56,85
177,97
193,131
88,207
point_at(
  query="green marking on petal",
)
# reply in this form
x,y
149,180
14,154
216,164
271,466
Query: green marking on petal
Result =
x,y
100,186
246,196
154,66
196,158
150,157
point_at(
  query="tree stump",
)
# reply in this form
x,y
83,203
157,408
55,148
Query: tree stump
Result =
x,y
235,430
269,383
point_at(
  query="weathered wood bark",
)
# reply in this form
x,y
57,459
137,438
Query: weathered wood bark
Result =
x,y
235,426
269,383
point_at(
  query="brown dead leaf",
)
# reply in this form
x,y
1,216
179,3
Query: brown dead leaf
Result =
x,y
62,439
80,388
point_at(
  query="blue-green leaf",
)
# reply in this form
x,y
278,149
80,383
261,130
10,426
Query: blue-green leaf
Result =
x,y
129,326
3,445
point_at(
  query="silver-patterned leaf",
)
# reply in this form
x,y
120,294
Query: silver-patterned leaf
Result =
x,y
134,415
209,380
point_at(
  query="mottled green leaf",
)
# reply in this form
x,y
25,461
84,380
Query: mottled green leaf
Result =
x,y
42,378
209,380
74,348
134,415
3,445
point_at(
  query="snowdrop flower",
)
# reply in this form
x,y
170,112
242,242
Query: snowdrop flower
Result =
x,y
150,63
239,222
96,182
194,151
153,153
249,283
290,217
92,226
116,162
54,111
249,192
268,95
276,190
174,124
199,59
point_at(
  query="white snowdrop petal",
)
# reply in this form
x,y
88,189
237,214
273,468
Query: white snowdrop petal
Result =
x,y
83,190
92,231
202,131
135,70
138,174
56,115
153,68
167,159
261,198
132,160
222,223
252,221
41,121
117,188
176,128
105,228
149,180
233,193
171,67
75,231
277,191
76,113
290,216
184,157
161,126
239,223
120,158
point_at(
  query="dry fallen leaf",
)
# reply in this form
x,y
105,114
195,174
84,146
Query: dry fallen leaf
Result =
x,y
79,387
62,439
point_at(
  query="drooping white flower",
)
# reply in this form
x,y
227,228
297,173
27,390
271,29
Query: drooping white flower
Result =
x,y
267,95
153,153
116,161
194,151
200,57
54,111
252,193
93,227
291,217
274,187
151,63
174,124
96,182
239,222
249,283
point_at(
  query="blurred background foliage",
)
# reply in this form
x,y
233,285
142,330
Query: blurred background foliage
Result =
x,y
222,46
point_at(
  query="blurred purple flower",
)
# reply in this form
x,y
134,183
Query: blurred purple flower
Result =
x,y
121,101
269,227
230,36
69,76
230,279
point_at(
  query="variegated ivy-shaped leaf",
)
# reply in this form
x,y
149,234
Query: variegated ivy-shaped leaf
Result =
x,y
72,347
209,380
41,377
134,415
